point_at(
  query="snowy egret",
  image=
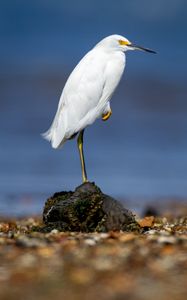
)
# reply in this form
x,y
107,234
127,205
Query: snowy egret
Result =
x,y
88,90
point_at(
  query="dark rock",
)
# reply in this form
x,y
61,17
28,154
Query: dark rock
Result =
x,y
86,209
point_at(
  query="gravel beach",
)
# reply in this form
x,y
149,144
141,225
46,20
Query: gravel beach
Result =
x,y
151,263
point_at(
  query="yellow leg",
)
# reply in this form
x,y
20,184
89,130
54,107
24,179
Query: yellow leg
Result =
x,y
80,146
106,116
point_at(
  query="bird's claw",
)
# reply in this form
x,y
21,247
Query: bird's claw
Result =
x,y
106,116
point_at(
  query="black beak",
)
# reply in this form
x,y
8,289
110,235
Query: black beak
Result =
x,y
141,48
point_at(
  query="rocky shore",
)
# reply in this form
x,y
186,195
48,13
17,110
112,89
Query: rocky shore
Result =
x,y
148,263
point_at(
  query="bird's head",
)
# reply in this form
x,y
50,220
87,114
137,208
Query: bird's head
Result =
x,y
118,42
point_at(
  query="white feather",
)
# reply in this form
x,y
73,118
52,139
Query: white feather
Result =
x,y
87,92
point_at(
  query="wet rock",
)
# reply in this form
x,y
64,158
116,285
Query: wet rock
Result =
x,y
86,209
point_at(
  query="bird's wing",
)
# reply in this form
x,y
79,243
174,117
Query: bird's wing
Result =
x,y
84,96
80,97
90,87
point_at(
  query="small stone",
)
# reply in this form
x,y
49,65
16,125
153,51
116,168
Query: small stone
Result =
x,y
90,242
104,235
167,240
4,227
103,264
27,242
164,232
27,260
81,276
127,237
45,252
164,220
146,222
151,232
10,234
54,231
168,229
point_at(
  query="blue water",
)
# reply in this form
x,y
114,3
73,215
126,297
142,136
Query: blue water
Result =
x,y
141,152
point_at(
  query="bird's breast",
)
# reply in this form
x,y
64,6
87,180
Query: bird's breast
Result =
x,y
113,72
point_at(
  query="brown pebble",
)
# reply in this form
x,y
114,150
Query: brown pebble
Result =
x,y
146,222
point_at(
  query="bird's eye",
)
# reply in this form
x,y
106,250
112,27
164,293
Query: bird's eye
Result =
x,y
124,43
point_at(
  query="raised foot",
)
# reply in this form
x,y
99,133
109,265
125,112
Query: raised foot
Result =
x,y
106,116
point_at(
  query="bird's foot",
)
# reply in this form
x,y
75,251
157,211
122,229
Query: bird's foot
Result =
x,y
106,116
85,180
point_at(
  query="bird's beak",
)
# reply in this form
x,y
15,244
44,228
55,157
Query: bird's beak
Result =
x,y
136,47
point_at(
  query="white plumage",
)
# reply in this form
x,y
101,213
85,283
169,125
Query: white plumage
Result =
x,y
87,92
89,88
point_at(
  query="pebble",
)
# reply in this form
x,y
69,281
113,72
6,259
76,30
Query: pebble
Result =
x,y
54,231
103,264
164,232
90,242
146,221
27,260
25,241
89,265
151,232
104,235
167,240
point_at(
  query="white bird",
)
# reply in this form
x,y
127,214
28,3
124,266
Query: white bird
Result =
x,y
88,90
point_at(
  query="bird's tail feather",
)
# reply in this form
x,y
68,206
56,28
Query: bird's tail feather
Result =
x,y
47,135
56,133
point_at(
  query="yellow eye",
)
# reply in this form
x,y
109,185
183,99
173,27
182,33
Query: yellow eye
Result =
x,y
122,42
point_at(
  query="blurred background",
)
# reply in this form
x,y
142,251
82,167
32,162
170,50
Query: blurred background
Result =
x,y
141,152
